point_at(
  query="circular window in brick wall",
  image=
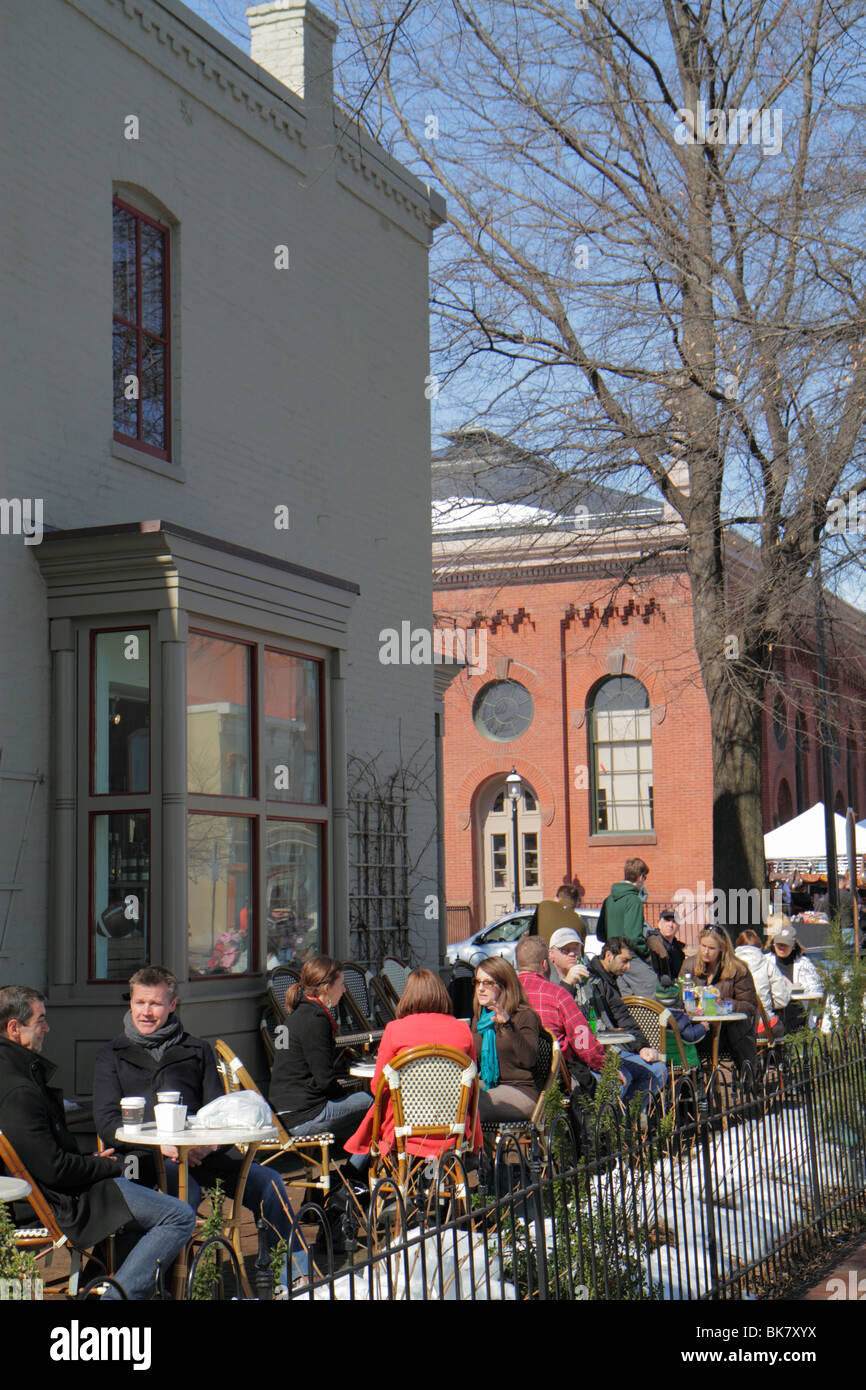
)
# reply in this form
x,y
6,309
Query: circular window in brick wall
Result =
x,y
502,710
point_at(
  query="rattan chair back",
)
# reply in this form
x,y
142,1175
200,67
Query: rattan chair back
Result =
x,y
432,1089
656,1021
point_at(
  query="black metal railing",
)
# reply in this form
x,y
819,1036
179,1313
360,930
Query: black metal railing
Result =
x,y
724,1191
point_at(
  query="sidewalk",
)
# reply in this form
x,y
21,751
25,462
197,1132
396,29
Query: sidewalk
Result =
x,y
847,1280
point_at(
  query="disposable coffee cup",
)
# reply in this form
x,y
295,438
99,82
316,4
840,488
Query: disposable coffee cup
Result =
x,y
132,1111
168,1097
170,1119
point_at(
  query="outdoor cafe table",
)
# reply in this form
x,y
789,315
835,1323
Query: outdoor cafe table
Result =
x,y
200,1137
13,1189
364,1070
715,1021
614,1037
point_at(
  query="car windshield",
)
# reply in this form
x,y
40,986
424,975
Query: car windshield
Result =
x,y
510,930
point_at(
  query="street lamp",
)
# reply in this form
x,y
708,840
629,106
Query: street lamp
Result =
x,y
514,783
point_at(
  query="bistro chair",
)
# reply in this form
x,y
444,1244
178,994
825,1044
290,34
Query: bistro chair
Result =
x,y
396,973
46,1237
546,1073
384,1005
660,1029
313,1150
433,1091
355,1031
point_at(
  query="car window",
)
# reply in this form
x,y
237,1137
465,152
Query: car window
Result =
x,y
510,930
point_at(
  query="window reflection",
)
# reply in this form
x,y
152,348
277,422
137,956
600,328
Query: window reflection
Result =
x,y
292,767
121,711
293,878
218,716
120,907
221,940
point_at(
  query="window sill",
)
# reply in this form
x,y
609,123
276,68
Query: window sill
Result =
x,y
148,461
615,837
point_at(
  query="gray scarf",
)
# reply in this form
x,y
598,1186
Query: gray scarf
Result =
x,y
156,1043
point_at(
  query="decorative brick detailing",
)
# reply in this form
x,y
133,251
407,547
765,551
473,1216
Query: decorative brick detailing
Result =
x,y
474,783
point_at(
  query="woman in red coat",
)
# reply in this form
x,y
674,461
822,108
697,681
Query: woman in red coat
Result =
x,y
423,1017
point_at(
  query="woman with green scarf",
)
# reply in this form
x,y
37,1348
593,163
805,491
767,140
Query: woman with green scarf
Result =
x,y
507,1033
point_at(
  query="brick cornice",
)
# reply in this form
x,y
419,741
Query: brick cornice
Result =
x,y
500,766
206,65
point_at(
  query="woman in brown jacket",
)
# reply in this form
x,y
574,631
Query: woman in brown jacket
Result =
x,y
717,965
507,1033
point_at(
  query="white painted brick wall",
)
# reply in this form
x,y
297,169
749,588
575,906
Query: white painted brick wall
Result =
x,y
303,387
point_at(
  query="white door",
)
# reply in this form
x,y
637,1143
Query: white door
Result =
x,y
497,841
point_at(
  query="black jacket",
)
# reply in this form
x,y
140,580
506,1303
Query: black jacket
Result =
x,y
125,1068
303,1077
676,954
610,1005
79,1189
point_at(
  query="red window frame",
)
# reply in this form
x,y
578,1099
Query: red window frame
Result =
x,y
136,440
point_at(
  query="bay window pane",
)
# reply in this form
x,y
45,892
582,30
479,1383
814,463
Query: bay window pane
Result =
x,y
218,716
153,392
125,391
120,899
124,263
120,705
152,279
292,707
293,886
219,901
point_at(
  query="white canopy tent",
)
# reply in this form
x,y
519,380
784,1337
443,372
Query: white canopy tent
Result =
x,y
803,837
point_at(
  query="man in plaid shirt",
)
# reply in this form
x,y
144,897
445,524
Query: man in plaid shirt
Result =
x,y
555,1006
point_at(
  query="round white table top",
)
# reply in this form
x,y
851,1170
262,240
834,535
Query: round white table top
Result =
x,y
13,1189
806,995
718,1018
365,1070
196,1136
609,1037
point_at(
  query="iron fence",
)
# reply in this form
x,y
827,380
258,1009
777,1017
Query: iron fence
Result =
x,y
723,1193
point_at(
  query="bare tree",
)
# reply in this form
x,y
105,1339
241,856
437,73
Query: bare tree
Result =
x,y
653,274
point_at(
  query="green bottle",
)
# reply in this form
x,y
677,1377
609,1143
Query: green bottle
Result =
x,y
593,1018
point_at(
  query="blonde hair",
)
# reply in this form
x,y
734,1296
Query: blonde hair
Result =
x,y
730,966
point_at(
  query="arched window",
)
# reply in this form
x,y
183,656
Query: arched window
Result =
x,y
801,752
784,804
621,757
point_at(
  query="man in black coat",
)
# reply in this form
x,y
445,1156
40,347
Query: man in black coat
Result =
x,y
88,1194
154,1053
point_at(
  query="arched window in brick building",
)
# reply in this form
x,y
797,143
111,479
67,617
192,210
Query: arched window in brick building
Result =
x,y
784,804
801,752
621,757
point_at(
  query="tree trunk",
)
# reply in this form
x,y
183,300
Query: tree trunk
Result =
x,y
736,719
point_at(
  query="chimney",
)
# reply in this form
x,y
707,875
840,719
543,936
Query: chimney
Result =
x,y
294,42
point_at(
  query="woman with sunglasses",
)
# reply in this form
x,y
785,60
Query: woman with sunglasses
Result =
x,y
507,1033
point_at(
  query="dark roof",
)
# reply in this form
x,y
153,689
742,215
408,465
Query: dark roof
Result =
x,y
485,467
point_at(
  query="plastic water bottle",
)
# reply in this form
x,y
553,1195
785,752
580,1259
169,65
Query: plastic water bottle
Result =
x,y
689,997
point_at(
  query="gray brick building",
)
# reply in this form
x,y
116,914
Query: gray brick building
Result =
x,y
213,404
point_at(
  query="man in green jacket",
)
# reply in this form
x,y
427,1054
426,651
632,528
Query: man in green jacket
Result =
x,y
623,908
623,917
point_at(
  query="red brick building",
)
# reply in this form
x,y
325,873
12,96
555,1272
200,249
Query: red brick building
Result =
x,y
591,690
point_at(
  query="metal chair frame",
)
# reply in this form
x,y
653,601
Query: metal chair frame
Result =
x,y
461,1115
314,1150
547,1077
44,1239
